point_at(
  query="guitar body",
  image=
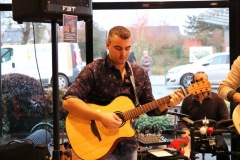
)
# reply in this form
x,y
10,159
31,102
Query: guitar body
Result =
x,y
85,144
236,118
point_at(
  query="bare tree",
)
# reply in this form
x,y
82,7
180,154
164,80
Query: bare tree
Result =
x,y
25,28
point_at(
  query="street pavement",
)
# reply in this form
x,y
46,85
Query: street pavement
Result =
x,y
161,89
161,80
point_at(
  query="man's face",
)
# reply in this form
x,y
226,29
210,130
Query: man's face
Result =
x,y
200,76
119,49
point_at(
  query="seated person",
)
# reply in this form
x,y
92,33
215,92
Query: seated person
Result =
x,y
209,105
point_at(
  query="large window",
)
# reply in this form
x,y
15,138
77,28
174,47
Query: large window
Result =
x,y
26,68
173,37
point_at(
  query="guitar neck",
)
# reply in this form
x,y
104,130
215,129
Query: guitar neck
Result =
x,y
136,112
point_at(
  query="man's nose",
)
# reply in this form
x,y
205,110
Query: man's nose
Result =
x,y
124,52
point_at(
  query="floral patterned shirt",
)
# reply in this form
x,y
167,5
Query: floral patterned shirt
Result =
x,y
100,83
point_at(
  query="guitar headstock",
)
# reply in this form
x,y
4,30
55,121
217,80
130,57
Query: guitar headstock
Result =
x,y
199,87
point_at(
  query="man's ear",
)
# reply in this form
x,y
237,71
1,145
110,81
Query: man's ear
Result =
x,y
107,44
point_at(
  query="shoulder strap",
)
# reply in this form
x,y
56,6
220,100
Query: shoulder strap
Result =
x,y
133,84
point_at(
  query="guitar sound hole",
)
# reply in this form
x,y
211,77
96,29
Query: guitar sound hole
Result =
x,y
119,114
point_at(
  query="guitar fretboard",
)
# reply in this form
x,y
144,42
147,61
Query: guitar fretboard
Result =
x,y
196,88
136,112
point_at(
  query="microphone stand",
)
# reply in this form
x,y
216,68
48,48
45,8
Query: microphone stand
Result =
x,y
55,92
175,125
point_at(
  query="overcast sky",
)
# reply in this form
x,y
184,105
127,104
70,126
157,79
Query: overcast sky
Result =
x,y
106,19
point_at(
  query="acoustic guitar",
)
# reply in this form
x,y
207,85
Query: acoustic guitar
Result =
x,y
236,117
90,140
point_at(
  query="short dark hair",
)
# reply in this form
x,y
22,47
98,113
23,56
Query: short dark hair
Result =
x,y
120,31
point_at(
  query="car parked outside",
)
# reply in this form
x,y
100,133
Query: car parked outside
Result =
x,y
36,61
215,65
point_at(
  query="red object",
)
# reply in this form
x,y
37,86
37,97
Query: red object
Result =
x,y
179,144
210,130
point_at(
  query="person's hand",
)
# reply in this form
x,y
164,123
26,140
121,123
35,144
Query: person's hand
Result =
x,y
186,135
176,98
111,120
236,97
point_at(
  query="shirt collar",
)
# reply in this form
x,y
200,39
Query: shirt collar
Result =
x,y
109,62
110,65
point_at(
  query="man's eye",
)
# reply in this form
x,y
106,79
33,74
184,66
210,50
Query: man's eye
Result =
x,y
118,48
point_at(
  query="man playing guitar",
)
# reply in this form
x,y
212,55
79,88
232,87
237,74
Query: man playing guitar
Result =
x,y
102,82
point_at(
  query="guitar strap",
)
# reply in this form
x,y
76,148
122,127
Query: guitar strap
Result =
x,y
133,84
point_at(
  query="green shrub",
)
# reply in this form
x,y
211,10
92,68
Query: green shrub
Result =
x,y
23,103
153,123
62,112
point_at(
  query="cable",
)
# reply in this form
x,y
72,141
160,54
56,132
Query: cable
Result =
x,y
40,79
